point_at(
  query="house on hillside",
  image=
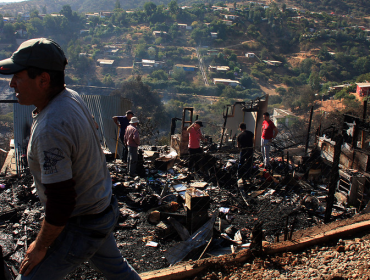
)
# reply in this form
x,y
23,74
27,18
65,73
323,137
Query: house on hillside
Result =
x,y
89,15
159,33
9,19
272,62
227,22
338,87
250,55
214,35
105,63
222,69
105,14
21,32
213,52
226,82
149,64
183,26
24,16
363,89
187,68
231,17
283,117
84,31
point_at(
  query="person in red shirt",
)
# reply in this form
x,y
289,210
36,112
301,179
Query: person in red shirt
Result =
x,y
269,132
195,135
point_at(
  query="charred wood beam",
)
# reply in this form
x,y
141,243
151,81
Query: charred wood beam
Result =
x,y
308,131
2,265
320,236
6,215
334,177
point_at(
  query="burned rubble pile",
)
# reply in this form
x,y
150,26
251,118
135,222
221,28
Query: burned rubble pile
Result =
x,y
170,214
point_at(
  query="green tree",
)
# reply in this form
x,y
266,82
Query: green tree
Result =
x,y
66,11
305,66
34,14
314,81
145,101
159,75
117,5
178,74
174,8
150,8
8,30
108,81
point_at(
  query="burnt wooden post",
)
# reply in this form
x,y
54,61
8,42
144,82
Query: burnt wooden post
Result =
x,y
2,264
334,177
224,126
308,131
364,120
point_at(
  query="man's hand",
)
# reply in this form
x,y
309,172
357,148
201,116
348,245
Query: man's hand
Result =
x,y
37,250
34,256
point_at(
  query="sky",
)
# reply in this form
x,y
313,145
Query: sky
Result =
x,y
10,1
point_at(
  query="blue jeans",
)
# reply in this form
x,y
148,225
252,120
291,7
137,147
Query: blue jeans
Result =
x,y
124,151
265,149
85,239
245,164
132,160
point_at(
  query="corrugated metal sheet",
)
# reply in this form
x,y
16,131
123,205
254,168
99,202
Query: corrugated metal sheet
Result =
x,y
22,130
103,108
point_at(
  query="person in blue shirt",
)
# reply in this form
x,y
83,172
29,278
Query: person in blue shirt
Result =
x,y
123,122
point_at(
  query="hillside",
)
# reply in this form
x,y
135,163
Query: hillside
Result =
x,y
354,7
85,6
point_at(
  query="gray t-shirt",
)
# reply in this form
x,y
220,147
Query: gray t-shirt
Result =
x,y
64,145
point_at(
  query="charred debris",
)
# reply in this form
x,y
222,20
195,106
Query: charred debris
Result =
x,y
171,214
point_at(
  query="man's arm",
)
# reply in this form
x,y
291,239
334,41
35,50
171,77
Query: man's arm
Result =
x,y
61,200
276,131
115,119
136,138
190,126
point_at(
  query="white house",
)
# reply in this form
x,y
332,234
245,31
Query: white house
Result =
x,y
227,82
250,55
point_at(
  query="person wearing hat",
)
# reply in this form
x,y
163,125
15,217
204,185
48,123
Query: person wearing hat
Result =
x,y
132,141
195,135
68,168
123,122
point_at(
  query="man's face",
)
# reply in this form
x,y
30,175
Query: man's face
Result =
x,y
129,116
266,118
26,89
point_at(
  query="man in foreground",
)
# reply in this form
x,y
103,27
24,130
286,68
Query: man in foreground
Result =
x,y
132,141
245,144
269,132
123,122
69,171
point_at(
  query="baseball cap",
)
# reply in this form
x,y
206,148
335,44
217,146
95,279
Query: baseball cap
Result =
x,y
134,120
129,112
41,53
199,122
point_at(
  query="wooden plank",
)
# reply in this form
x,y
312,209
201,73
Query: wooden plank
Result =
x,y
192,268
7,162
319,238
